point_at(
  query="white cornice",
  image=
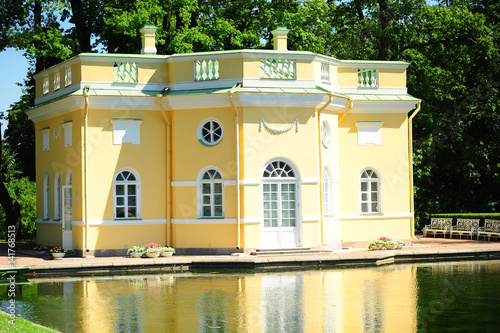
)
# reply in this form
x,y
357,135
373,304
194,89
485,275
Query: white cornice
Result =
x,y
204,221
373,91
375,216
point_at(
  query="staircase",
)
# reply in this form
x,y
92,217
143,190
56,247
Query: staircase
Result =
x,y
289,252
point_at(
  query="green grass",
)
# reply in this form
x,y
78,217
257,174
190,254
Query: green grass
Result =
x,y
21,325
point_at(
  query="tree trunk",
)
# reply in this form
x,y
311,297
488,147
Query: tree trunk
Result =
x,y
11,206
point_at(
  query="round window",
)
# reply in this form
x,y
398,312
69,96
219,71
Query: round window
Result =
x,y
325,134
210,132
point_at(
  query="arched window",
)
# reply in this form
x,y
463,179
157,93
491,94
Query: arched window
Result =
x,y
369,189
46,196
211,194
127,195
278,169
327,193
57,197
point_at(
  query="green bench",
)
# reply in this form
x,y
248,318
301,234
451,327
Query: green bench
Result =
x,y
466,227
439,225
490,229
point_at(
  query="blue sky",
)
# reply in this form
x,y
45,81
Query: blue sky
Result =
x,y
13,69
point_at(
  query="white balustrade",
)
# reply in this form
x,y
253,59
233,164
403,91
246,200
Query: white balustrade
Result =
x,y
206,70
125,72
367,78
282,69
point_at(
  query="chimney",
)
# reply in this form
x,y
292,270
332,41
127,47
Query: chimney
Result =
x,y
280,38
148,39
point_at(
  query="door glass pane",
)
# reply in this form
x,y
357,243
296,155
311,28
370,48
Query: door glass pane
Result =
x,y
374,207
132,212
131,189
120,201
207,211
120,189
364,186
206,188
131,201
218,210
217,188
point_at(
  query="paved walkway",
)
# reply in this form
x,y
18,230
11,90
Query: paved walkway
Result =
x,y
423,248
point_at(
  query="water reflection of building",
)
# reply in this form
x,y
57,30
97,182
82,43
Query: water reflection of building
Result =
x,y
348,300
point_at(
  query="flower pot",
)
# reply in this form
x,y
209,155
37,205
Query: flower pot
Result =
x,y
152,255
40,253
376,247
136,254
166,254
390,247
58,255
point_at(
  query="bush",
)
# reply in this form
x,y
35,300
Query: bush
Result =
x,y
24,191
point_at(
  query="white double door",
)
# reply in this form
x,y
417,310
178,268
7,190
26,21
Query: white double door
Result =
x,y
67,216
281,227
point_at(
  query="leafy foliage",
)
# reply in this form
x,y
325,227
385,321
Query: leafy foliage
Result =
x,y
24,191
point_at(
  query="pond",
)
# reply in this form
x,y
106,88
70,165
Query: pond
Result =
x,y
425,297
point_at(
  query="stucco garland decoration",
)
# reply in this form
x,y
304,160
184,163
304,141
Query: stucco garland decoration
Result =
x,y
278,130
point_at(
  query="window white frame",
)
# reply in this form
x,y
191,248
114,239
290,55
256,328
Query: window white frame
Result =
x,y
46,196
210,193
126,130
127,195
210,132
279,178
57,196
369,132
326,184
369,188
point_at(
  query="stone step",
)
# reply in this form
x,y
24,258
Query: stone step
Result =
x,y
288,252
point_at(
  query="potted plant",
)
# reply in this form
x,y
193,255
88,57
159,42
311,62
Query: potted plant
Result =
x,y
152,252
167,251
40,250
58,252
391,245
376,244
400,244
136,251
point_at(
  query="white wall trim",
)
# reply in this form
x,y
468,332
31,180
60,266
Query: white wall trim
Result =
x,y
251,220
101,223
204,221
250,182
307,219
374,216
309,181
183,183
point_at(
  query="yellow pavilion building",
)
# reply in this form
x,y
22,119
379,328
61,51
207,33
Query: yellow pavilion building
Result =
x,y
222,152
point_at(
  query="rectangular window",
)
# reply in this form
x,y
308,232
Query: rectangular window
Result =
x,y
67,76
45,88
45,139
57,81
68,134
